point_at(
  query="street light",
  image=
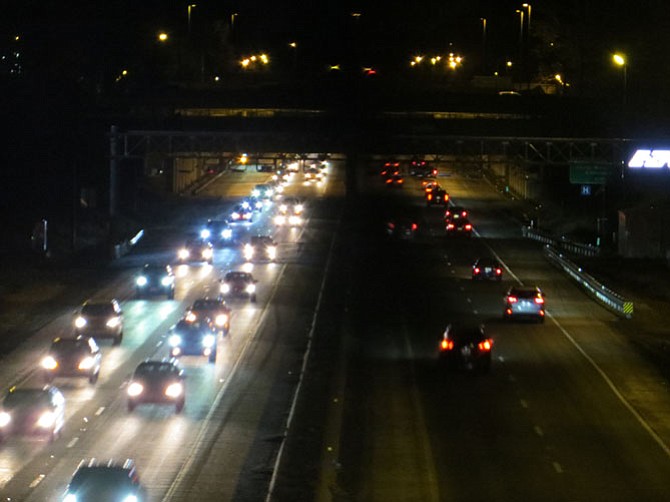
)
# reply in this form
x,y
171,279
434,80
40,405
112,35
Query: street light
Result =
x,y
163,37
527,6
483,20
188,13
294,46
620,60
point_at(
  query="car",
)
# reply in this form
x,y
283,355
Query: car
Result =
x,y
390,168
437,196
291,205
260,247
241,214
455,212
402,228
277,187
238,284
157,382
313,174
72,357
32,411
263,191
421,168
395,180
459,226
524,302
466,347
213,310
288,220
254,203
196,250
105,481
217,232
100,319
430,186
197,338
487,268
155,279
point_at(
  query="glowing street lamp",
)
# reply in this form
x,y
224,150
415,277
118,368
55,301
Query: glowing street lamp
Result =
x,y
188,13
163,37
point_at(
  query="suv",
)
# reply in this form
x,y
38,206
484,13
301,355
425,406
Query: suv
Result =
x,y
195,250
239,284
155,279
39,411
524,301
261,247
157,382
197,338
100,318
105,481
487,268
213,310
466,347
72,357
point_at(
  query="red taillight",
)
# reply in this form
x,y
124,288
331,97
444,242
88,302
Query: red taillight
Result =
x,y
388,181
476,270
464,214
396,164
512,299
434,172
391,226
485,345
447,344
539,300
541,313
400,181
430,196
450,226
468,227
414,226
508,311
498,271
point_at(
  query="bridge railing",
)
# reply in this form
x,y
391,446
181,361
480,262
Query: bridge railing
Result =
x,y
576,248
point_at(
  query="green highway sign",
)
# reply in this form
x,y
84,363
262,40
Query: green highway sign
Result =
x,y
589,173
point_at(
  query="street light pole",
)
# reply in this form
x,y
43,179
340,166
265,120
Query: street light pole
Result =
x,y
483,20
188,14
620,60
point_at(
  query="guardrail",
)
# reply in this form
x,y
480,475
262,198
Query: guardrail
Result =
x,y
123,248
610,299
578,248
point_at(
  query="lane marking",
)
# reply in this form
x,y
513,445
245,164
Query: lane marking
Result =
x,y
538,430
524,403
37,481
73,442
99,411
557,468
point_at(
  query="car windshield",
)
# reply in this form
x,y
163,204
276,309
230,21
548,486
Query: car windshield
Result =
x,y
261,240
466,334
206,304
155,271
237,276
89,477
69,346
26,397
97,309
155,369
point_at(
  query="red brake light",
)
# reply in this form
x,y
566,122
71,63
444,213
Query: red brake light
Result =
x,y
447,344
464,214
498,271
434,172
477,270
388,181
485,345
512,299
414,226
539,300
468,227
430,196
450,226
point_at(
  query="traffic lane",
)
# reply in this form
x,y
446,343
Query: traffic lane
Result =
x,y
238,461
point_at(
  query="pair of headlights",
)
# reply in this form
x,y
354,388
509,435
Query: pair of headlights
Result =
x,y
250,288
173,390
112,322
208,341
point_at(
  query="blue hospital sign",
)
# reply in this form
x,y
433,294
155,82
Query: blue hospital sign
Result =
x,y
650,159
586,189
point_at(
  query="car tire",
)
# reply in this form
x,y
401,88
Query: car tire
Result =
x,y
131,406
93,378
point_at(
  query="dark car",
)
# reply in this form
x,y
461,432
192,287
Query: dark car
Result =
x,y
196,250
459,226
422,168
466,347
437,197
105,481
217,232
155,279
401,228
260,247
395,180
254,203
213,310
390,168
263,191
291,205
454,213
157,382
39,412
524,302
72,357
197,338
100,319
241,214
487,268
239,284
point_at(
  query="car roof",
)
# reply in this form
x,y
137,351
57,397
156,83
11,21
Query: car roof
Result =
x,y
235,274
205,303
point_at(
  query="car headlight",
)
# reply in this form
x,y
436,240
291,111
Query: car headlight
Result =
x,y
280,219
225,288
245,205
207,253
298,209
80,322
295,220
49,363
70,497
5,419
259,204
141,281
235,215
205,233
135,389
283,208
166,281
251,288
255,193
272,252
113,322
190,317
221,320
227,233
183,254
130,498
174,340
47,419
86,363
208,341
174,389
248,252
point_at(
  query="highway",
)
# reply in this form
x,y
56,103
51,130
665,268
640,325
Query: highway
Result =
x,y
342,346
235,409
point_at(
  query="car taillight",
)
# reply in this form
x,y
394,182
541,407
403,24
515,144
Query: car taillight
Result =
x,y
498,271
539,300
434,172
414,226
430,196
450,226
389,180
476,270
447,344
391,226
512,299
464,214
485,346
468,227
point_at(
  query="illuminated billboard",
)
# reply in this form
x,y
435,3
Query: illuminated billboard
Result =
x,y
650,159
